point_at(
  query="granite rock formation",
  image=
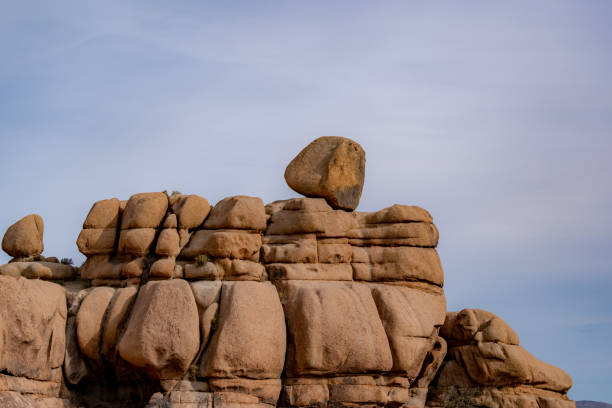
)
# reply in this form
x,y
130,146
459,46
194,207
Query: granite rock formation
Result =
x,y
486,366
297,303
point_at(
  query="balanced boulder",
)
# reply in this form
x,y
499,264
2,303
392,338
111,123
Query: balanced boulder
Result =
x,y
330,167
25,237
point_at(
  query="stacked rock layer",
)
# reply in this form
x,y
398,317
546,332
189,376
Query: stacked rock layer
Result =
x,y
290,304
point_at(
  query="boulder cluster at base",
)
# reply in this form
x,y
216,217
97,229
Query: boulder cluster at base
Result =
x,y
302,302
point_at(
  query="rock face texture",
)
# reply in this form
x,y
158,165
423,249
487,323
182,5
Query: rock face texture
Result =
x,y
25,237
486,366
331,167
298,303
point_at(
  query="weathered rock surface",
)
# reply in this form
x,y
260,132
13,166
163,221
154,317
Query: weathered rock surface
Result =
x,y
330,167
488,365
97,241
144,210
104,214
191,210
25,237
250,340
32,327
39,270
89,320
239,212
162,335
224,244
334,328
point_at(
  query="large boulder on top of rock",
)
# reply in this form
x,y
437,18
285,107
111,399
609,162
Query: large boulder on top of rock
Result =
x,y
25,237
331,167
163,334
32,327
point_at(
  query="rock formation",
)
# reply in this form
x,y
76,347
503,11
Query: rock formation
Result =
x,y
486,366
298,303
331,167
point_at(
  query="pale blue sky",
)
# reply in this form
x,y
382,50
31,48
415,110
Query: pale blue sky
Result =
x,y
495,116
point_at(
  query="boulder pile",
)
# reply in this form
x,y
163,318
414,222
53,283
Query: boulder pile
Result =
x,y
298,303
486,366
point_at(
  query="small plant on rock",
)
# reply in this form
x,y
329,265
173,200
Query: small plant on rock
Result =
x,y
201,259
66,261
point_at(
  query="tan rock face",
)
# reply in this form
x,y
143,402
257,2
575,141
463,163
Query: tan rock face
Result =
x,y
478,325
136,242
397,263
251,339
191,210
39,270
410,317
485,359
144,210
117,311
101,267
25,237
239,212
97,241
32,327
207,298
163,268
334,328
224,244
162,335
330,223
103,214
330,167
89,321
168,242
398,213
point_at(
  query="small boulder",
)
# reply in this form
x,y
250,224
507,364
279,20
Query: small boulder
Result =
x,y
144,210
239,212
25,237
103,214
331,167
191,210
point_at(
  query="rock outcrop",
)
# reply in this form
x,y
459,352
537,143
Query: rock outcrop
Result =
x,y
486,366
299,303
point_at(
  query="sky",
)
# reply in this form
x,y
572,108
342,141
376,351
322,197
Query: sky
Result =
x,y
494,116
